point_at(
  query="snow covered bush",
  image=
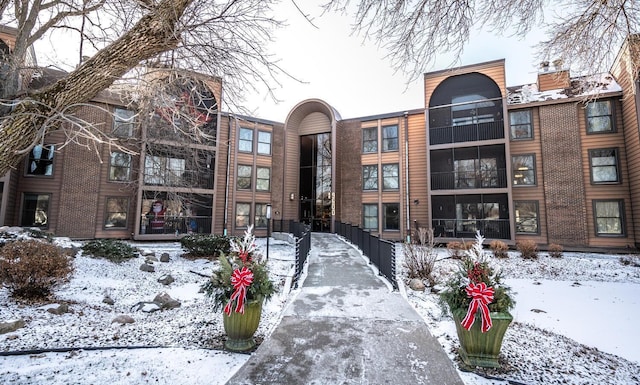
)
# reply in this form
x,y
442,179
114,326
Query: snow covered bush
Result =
x,y
111,249
31,268
555,250
420,258
499,249
456,249
528,249
205,245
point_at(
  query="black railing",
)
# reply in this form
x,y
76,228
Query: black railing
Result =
x,y
381,253
176,225
466,133
459,180
466,228
302,233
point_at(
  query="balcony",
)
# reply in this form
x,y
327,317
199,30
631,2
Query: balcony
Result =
x,y
466,228
177,225
462,180
466,133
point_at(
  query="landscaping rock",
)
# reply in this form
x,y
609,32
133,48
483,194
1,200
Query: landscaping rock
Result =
x,y
11,326
59,309
166,279
416,284
146,307
151,258
123,319
108,300
166,302
147,267
165,257
146,253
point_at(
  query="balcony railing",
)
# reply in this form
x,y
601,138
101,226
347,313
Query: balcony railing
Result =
x,y
466,228
176,225
466,133
460,180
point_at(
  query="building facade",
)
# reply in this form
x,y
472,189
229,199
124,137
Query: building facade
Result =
x,y
555,161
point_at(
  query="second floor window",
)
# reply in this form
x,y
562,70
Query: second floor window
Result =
x,y
123,122
520,122
604,165
263,178
245,142
41,160
370,140
120,167
163,171
390,177
524,170
390,138
370,177
244,177
599,117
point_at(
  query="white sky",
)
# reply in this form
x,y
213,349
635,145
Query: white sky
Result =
x,y
355,78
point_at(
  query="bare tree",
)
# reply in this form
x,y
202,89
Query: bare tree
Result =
x,y
220,38
585,35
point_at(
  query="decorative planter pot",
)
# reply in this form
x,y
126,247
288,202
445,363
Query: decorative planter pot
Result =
x,y
477,348
240,327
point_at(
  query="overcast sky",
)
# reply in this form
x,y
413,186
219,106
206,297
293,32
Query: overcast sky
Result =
x,y
355,78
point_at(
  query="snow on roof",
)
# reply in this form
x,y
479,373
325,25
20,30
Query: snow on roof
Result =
x,y
580,86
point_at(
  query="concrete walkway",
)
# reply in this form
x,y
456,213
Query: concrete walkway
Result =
x,y
346,327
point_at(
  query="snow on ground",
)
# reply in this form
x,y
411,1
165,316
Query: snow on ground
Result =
x,y
573,324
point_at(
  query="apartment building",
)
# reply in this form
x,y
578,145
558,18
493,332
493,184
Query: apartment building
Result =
x,y
554,161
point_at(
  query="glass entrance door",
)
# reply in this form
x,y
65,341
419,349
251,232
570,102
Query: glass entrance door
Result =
x,y
315,181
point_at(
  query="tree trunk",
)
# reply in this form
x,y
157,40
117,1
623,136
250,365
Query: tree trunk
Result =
x,y
36,114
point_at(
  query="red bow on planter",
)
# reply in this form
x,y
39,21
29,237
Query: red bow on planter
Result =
x,y
481,296
240,279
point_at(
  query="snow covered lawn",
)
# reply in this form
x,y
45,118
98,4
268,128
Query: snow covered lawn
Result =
x,y
574,323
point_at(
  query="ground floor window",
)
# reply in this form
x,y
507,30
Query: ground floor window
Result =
x,y
243,214
261,215
35,210
391,212
526,217
165,212
370,216
608,217
117,209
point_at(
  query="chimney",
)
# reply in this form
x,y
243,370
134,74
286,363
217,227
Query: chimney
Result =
x,y
553,79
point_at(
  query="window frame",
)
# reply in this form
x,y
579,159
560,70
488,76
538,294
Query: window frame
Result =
x,y
612,121
258,179
244,177
262,144
529,113
248,215
537,216
365,178
48,163
120,121
260,215
373,142
385,177
128,169
616,157
532,170
385,217
241,140
365,216
46,213
386,140
621,217
107,213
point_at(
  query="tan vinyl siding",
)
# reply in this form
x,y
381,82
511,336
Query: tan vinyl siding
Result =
x,y
493,69
553,80
418,171
315,123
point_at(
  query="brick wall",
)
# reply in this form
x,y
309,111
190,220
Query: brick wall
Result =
x,y
563,175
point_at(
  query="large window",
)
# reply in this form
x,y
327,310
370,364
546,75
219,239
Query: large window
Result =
x,y
120,167
370,216
604,165
263,178
608,217
116,213
391,219
264,142
163,171
390,138
245,143
243,214
520,122
123,122
524,170
526,217
370,140
370,177
599,117
244,177
41,160
35,210
390,177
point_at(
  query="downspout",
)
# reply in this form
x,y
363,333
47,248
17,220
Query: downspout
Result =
x,y
406,173
226,184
